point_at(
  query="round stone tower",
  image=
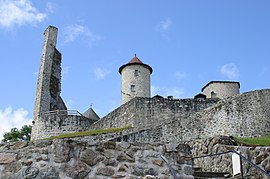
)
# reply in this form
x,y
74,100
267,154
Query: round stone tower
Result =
x,y
135,79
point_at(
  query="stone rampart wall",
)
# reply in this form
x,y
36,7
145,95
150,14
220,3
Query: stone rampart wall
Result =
x,y
246,115
70,158
223,163
56,124
144,113
160,120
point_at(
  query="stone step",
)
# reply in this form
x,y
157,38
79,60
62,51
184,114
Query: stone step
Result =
x,y
216,175
197,169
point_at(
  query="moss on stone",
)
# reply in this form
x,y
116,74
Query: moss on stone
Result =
x,y
88,133
259,141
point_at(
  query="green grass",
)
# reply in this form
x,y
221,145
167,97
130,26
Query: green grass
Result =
x,y
88,133
256,141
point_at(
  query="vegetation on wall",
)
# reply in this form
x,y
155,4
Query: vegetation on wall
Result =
x,y
256,141
91,132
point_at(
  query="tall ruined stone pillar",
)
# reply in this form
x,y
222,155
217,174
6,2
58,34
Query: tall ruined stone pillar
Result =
x,y
49,79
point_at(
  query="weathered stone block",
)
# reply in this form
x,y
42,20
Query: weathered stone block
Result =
x,y
110,162
27,162
19,145
109,145
31,172
106,171
61,150
158,162
261,157
123,157
6,158
124,145
122,168
79,170
90,157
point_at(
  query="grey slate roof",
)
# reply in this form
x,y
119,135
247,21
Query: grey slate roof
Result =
x,y
91,114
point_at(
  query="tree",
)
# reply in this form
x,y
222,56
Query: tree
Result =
x,y
18,135
26,132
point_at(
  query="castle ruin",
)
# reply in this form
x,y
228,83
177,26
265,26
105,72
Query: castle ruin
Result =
x,y
219,109
168,137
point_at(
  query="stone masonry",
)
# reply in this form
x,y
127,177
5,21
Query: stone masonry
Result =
x,y
169,119
222,163
60,122
144,113
221,89
245,115
160,119
135,80
49,79
71,158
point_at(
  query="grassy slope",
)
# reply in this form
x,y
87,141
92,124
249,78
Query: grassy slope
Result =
x,y
87,133
260,141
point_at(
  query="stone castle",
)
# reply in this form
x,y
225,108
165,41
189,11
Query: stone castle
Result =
x,y
167,139
219,109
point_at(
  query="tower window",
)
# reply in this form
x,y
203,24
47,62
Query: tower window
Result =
x,y
213,94
136,73
132,88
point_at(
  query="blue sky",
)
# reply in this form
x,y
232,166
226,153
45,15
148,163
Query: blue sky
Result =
x,y
187,43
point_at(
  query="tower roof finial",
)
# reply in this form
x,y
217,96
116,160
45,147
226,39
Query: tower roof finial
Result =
x,y
135,55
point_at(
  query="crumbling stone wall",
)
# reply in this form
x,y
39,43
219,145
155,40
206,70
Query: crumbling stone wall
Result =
x,y
49,79
60,122
246,115
56,102
143,113
70,158
223,163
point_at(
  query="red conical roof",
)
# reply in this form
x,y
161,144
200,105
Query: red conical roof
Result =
x,y
135,61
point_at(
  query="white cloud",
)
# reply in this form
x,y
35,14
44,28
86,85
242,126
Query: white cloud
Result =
x,y
230,71
75,31
180,75
19,12
50,7
164,25
10,118
101,73
174,91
